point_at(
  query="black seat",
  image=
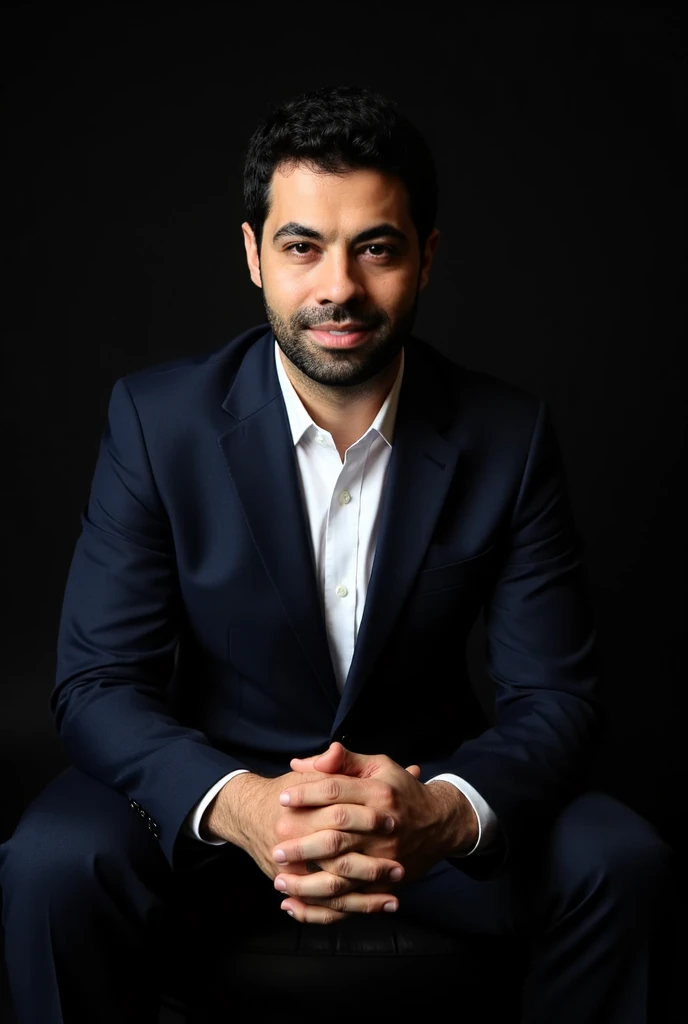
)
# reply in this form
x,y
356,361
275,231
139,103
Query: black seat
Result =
x,y
362,967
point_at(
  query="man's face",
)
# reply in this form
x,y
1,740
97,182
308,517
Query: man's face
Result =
x,y
339,254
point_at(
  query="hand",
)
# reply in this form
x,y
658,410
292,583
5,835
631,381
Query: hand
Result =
x,y
430,821
247,813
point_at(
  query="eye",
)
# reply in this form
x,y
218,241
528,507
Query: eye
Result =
x,y
299,248
379,251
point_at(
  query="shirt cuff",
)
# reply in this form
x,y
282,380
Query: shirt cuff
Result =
x,y
192,822
488,825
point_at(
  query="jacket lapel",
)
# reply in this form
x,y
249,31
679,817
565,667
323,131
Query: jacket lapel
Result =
x,y
260,455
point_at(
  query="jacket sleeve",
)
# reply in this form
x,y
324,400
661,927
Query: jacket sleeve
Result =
x,y
541,655
118,632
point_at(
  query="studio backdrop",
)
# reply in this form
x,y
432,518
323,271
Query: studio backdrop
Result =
x,y
557,134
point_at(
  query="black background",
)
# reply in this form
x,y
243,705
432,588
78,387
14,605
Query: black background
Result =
x,y
557,133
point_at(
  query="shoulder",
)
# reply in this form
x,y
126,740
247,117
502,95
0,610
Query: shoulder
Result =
x,y
191,378
476,395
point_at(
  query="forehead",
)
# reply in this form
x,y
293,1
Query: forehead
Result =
x,y
300,191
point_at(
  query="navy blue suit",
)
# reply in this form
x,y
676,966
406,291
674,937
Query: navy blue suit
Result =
x,y
192,640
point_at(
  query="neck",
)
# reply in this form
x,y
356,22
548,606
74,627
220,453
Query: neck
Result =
x,y
346,413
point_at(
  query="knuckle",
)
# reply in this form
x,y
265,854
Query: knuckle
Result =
x,y
388,794
282,828
340,815
333,885
344,866
375,873
331,789
332,842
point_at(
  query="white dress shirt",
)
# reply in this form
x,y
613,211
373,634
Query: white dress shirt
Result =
x,y
342,501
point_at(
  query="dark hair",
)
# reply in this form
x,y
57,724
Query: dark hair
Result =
x,y
336,128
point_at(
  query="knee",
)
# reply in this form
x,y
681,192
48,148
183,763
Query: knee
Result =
x,y
42,861
606,843
59,849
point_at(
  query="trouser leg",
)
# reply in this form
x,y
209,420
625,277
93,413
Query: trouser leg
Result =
x,y
592,899
86,893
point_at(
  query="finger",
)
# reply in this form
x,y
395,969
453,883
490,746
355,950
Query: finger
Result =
x,y
298,910
336,789
314,911
414,769
337,758
324,843
342,875
307,764
316,846
340,817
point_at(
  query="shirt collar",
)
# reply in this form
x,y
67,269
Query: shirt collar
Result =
x,y
300,421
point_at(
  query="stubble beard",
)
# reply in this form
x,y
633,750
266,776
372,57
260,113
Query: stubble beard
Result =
x,y
340,368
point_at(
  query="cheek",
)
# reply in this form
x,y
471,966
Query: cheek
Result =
x,y
284,291
396,293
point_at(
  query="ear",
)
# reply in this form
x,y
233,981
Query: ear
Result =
x,y
252,254
427,257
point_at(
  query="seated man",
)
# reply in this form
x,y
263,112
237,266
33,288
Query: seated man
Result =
x,y
286,545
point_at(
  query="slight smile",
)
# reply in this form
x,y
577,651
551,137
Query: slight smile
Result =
x,y
340,335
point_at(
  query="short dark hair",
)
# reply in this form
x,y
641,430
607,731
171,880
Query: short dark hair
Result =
x,y
339,128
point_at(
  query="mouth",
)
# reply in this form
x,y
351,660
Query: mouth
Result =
x,y
340,335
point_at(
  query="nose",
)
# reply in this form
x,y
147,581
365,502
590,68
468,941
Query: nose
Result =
x,y
339,280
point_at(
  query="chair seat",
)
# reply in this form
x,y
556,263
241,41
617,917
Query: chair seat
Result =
x,y
387,963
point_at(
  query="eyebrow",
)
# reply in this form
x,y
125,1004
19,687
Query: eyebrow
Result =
x,y
293,229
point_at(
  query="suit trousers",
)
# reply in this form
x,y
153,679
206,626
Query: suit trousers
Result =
x,y
87,895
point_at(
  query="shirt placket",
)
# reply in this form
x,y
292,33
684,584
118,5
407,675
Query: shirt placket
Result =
x,y
342,555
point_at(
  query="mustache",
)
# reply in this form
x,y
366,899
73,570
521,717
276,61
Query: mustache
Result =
x,y
335,315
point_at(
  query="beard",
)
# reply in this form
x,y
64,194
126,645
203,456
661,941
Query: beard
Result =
x,y
340,368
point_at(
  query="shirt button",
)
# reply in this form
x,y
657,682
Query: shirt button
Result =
x,y
341,590
344,498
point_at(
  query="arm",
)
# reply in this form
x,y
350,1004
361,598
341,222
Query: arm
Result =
x,y
541,656
486,819
195,825
119,628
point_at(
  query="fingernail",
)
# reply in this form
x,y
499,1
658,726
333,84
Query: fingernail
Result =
x,y
280,856
280,884
390,907
389,824
396,873
284,798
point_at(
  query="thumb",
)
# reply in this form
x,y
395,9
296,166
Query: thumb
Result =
x,y
333,760
339,760
336,760
326,763
414,769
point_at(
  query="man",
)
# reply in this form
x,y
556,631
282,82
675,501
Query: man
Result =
x,y
285,547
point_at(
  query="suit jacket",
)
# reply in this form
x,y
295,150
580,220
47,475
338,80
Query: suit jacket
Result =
x,y
192,639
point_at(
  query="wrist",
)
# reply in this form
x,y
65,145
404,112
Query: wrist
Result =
x,y
458,826
225,816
